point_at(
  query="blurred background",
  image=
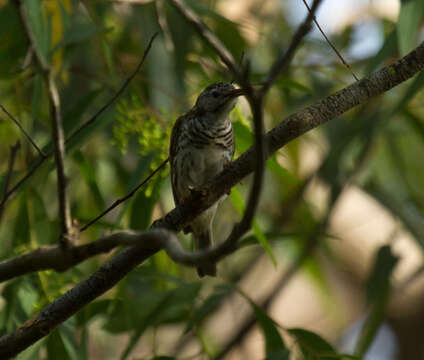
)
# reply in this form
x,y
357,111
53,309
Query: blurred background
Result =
x,y
336,250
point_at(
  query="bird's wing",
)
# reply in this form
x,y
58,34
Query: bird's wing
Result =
x,y
173,147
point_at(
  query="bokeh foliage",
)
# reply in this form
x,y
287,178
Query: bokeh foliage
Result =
x,y
94,46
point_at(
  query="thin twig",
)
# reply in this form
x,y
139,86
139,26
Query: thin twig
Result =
x,y
330,43
59,154
18,124
283,61
13,151
126,197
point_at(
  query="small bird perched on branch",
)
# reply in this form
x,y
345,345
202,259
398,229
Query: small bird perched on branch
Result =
x,y
202,144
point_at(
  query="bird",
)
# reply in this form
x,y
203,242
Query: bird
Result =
x,y
202,144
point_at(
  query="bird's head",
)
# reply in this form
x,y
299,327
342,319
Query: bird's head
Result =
x,y
218,98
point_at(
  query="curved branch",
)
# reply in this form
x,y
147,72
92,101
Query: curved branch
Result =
x,y
55,257
292,127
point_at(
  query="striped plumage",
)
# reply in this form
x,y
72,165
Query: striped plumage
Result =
x,y
202,143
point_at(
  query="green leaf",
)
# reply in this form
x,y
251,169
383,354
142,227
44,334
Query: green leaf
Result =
x,y
78,33
208,306
32,352
388,49
273,341
285,82
411,13
142,207
238,202
40,223
137,175
314,346
413,89
99,307
415,123
37,99
407,212
378,288
67,334
279,355
378,283
288,178
73,115
89,175
172,305
13,47
82,348
34,15
22,233
242,133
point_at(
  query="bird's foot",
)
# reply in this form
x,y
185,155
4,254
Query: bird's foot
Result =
x,y
197,192
194,194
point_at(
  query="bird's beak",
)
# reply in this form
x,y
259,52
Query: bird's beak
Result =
x,y
236,92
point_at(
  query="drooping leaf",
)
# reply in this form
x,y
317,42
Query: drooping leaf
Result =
x,y
89,175
238,202
378,289
314,347
144,202
411,13
273,341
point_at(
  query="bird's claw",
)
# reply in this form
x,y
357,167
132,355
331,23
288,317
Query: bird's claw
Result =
x,y
197,192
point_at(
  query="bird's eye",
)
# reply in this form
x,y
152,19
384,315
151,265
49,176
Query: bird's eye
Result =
x,y
215,94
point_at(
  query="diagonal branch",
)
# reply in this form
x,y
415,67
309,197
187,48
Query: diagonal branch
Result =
x,y
59,155
328,40
124,198
18,124
290,128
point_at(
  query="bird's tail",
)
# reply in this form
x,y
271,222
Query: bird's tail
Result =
x,y
202,241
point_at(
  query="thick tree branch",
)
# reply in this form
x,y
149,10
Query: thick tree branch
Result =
x,y
290,128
